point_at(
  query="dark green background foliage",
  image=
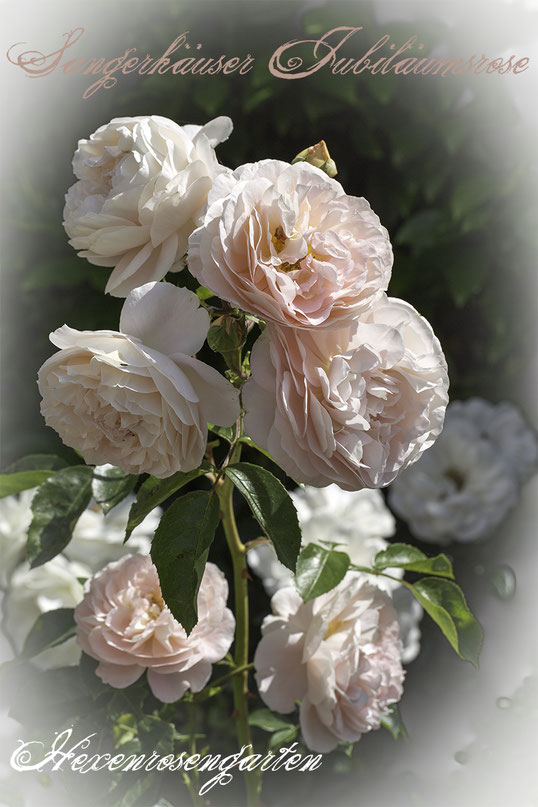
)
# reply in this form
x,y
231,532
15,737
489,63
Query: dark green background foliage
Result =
x,y
444,162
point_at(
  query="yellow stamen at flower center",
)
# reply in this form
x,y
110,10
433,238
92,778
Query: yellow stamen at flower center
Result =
x,y
334,626
279,239
290,267
456,476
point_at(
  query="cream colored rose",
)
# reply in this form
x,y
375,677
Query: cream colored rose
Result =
x,y
358,521
339,654
33,592
137,398
143,183
352,406
124,624
287,243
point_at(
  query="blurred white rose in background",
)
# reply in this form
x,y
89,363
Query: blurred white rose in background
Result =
x,y
143,184
32,592
464,486
98,539
15,518
505,428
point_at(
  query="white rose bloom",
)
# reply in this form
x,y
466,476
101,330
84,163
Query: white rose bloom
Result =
x,y
98,539
32,592
359,521
287,243
504,426
462,487
352,406
339,654
143,184
137,398
15,518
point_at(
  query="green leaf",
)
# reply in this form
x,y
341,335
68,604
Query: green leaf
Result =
x,y
404,556
271,506
444,602
155,491
319,570
110,485
57,506
466,277
10,484
137,790
28,472
392,721
265,719
420,229
226,432
285,736
179,551
472,191
36,462
49,630
248,442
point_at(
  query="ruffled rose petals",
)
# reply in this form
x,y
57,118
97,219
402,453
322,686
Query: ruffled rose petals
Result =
x,y
142,186
285,242
137,398
124,624
352,406
339,654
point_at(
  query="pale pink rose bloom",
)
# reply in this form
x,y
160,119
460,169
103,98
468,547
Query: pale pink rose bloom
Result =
x,y
339,654
124,623
137,398
286,243
352,406
142,188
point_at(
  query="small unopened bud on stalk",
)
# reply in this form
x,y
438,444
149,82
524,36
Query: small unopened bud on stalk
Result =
x,y
318,156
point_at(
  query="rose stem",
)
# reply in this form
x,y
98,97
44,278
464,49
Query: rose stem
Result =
x,y
239,681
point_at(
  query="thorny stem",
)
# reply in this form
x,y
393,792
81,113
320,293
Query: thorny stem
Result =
x,y
240,680
205,693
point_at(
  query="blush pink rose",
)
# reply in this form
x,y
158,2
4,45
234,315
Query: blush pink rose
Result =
x,y
137,398
286,243
124,623
352,406
339,654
